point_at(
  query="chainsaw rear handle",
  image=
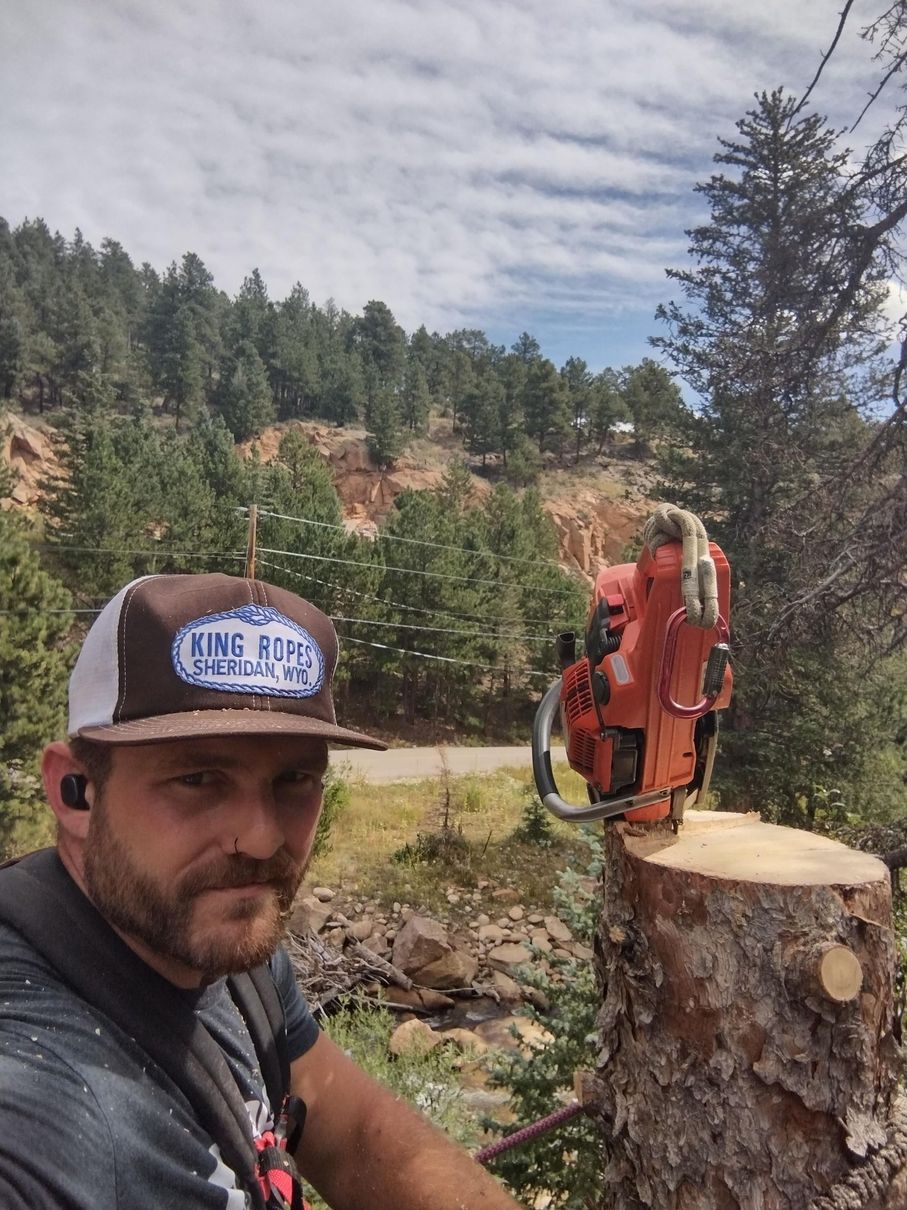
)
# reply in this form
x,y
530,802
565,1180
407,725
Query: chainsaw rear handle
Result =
x,y
718,661
544,778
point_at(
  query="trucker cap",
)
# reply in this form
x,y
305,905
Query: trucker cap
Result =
x,y
172,657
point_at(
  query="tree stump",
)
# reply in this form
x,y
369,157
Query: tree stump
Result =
x,y
748,1053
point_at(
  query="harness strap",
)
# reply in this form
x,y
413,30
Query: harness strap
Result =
x,y
255,995
35,895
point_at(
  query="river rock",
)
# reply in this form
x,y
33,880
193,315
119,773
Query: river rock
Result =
x,y
557,930
491,932
308,913
413,1037
506,894
517,912
505,957
362,929
465,1040
323,894
508,989
424,952
499,1032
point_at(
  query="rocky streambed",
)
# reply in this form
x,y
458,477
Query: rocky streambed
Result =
x,y
462,974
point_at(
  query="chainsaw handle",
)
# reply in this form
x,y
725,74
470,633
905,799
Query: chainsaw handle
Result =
x,y
666,701
544,777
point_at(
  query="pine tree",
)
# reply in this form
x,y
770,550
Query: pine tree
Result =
x,y
385,436
607,408
653,401
578,383
244,395
34,663
545,406
781,373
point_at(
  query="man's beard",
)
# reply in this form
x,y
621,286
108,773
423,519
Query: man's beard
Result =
x,y
163,919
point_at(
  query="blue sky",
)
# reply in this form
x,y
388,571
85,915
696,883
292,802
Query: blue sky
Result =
x,y
508,166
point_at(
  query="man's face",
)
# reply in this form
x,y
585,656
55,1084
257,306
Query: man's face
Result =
x,y
196,848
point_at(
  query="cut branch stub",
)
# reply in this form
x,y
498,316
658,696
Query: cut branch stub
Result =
x,y
827,970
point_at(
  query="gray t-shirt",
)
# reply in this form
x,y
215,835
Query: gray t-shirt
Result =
x,y
88,1122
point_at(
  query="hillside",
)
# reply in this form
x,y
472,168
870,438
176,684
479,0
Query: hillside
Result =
x,y
597,506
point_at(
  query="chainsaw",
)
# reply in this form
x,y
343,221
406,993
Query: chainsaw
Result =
x,y
639,710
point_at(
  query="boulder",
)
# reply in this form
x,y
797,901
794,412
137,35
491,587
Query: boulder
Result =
x,y
424,952
465,1040
505,957
413,1037
508,989
491,932
499,1032
362,929
308,914
557,930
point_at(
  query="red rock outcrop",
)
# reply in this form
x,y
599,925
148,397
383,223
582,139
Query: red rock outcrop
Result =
x,y
27,450
594,526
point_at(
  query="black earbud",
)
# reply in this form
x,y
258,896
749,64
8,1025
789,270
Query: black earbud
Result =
x,y
72,791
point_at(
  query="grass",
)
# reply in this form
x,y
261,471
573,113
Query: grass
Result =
x,y
484,810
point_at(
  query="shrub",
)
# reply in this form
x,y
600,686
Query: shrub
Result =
x,y
564,1164
336,800
535,824
429,1081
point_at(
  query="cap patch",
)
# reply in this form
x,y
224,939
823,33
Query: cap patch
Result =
x,y
252,649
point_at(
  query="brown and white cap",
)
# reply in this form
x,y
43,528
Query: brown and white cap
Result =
x,y
172,657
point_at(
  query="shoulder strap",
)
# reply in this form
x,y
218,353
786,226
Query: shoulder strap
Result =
x,y
256,997
35,895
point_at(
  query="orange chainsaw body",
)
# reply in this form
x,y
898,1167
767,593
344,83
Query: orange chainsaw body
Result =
x,y
640,656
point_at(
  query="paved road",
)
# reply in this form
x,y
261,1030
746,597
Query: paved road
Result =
x,y
401,764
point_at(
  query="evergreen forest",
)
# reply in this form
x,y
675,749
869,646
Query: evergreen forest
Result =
x,y
794,453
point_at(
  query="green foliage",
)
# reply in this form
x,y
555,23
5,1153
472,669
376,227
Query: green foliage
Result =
x,y
244,397
34,668
545,406
779,334
565,1163
385,433
129,499
653,401
447,847
430,1082
535,825
336,800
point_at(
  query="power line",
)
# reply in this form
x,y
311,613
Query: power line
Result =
x,y
409,571
385,537
151,554
439,613
475,634
446,659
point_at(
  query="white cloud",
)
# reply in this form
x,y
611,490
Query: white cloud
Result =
x,y
458,159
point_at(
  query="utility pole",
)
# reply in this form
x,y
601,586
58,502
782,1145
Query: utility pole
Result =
x,y
251,541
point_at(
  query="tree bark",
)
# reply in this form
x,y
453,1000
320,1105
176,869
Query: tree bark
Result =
x,y
748,1058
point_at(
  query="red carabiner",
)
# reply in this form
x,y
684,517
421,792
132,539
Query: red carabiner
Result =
x,y
704,705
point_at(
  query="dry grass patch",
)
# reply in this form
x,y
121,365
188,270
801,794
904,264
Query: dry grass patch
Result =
x,y
413,841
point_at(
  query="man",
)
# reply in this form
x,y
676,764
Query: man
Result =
x,y
186,801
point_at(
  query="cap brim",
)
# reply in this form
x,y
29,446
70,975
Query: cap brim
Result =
x,y
195,723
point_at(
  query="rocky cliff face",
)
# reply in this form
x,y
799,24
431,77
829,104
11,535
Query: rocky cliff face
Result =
x,y
27,450
596,513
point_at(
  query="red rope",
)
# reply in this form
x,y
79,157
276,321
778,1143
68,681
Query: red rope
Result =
x,y
533,1130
